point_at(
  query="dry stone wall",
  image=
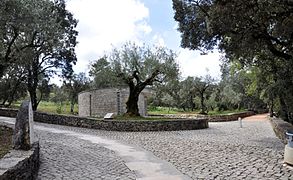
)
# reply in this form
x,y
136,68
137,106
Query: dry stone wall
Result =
x,y
8,112
280,128
99,102
119,125
20,164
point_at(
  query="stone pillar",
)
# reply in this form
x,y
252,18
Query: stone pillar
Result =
x,y
23,132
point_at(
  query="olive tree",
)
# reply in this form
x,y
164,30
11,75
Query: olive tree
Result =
x,y
139,67
39,36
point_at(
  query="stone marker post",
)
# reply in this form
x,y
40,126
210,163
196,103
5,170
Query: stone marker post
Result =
x,y
23,132
240,121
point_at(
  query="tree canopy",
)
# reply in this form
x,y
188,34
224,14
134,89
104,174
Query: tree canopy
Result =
x,y
242,28
40,36
138,67
254,33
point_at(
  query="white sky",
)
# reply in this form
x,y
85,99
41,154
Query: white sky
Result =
x,y
107,23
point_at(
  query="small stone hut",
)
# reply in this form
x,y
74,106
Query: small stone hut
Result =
x,y
99,102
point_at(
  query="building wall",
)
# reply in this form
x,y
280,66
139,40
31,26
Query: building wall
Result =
x,y
99,102
84,101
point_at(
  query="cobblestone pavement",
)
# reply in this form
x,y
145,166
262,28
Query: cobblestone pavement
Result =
x,y
223,151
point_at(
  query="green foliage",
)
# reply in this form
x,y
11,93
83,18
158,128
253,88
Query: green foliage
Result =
x,y
155,110
242,28
255,34
74,85
182,94
51,107
12,86
104,75
137,67
38,36
167,110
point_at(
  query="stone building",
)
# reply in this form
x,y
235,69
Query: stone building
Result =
x,y
99,102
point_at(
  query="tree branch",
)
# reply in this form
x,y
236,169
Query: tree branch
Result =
x,y
135,75
152,78
196,3
275,51
10,45
31,44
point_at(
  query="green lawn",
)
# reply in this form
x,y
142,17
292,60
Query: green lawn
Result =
x,y
51,107
166,110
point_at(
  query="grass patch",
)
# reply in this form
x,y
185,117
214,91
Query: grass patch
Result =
x,y
56,108
5,140
51,107
166,110
225,112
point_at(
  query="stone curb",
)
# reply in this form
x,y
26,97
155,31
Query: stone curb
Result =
x,y
19,164
280,128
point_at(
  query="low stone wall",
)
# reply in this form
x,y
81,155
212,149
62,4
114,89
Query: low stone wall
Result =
x,y
20,164
212,118
115,125
123,125
280,128
230,117
8,112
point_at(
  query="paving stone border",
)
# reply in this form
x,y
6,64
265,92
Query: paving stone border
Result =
x,y
115,125
18,164
280,128
212,118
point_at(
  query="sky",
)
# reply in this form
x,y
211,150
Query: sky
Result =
x,y
104,24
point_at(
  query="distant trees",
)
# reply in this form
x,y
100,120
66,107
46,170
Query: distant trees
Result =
x,y
73,86
182,94
137,67
239,87
257,34
12,85
104,75
38,36
202,85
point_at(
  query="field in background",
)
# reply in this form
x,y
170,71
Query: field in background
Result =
x,y
51,107
64,108
166,110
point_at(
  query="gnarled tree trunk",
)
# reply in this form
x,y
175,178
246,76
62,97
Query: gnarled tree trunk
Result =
x,y
135,89
131,104
32,84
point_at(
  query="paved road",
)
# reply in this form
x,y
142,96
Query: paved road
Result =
x,y
224,151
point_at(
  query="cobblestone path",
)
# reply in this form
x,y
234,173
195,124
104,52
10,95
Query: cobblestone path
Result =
x,y
223,151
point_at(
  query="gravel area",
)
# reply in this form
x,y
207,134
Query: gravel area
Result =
x,y
223,151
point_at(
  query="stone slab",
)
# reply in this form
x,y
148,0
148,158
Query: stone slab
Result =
x,y
109,116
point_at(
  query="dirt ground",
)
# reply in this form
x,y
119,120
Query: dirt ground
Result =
x,y
5,140
258,117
